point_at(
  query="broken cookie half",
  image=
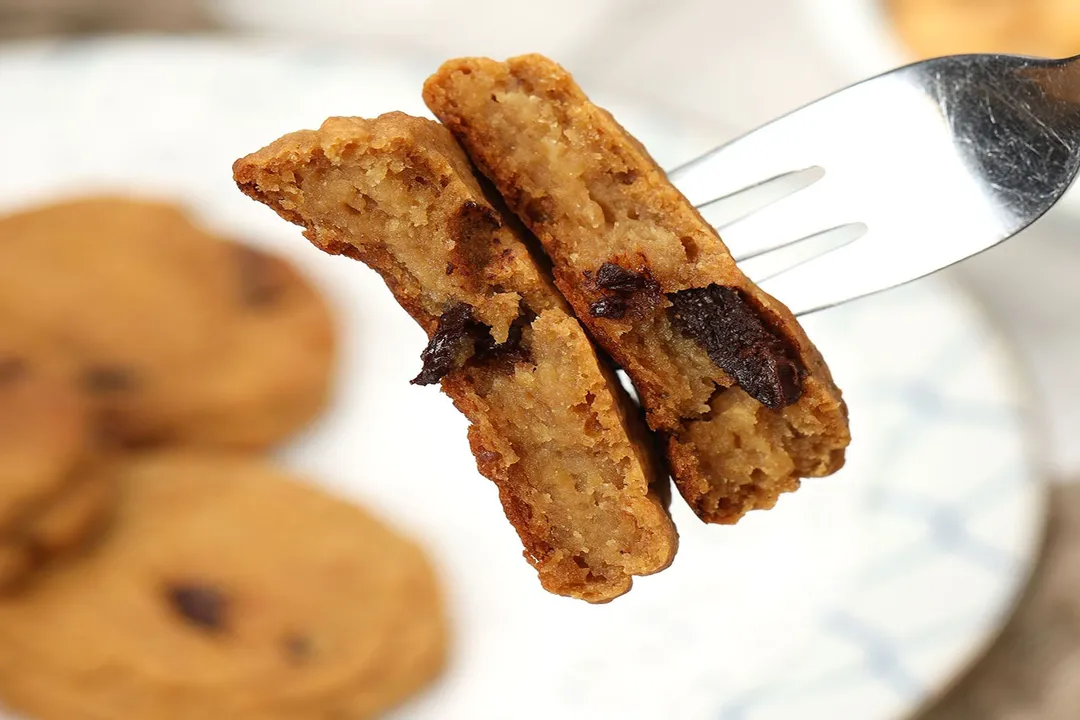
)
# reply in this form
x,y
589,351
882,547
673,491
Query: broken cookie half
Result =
x,y
551,427
727,376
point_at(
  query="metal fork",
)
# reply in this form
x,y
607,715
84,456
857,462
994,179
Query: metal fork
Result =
x,y
893,178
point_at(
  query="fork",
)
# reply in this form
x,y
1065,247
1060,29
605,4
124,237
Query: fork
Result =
x,y
893,178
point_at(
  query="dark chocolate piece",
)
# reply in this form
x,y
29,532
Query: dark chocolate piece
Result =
x,y
625,292
460,338
452,344
615,277
739,341
201,605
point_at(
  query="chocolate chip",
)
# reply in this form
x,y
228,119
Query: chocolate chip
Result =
x,y
299,648
12,368
460,338
625,292
612,308
201,605
260,281
615,277
108,379
737,338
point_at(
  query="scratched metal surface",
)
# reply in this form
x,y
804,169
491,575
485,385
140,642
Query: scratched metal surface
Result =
x,y
931,164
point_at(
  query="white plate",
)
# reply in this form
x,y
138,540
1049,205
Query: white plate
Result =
x,y
859,38
858,596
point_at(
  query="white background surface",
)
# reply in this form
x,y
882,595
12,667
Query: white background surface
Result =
x,y
723,67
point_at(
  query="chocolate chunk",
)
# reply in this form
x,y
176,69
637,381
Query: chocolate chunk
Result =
x,y
625,292
201,605
12,368
260,282
615,277
452,344
460,338
612,307
108,379
739,341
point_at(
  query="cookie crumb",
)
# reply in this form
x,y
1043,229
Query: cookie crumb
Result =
x,y
201,605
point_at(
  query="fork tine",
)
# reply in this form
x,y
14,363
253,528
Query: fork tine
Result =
x,y
877,261
732,208
834,277
806,213
758,157
774,262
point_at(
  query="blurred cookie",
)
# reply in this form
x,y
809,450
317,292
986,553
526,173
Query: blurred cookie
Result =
x,y
124,288
274,375
178,336
51,495
225,589
930,28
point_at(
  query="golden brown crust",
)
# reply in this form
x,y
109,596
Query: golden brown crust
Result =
x,y
594,196
549,424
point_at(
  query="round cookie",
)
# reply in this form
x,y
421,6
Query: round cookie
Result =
x,y
225,589
128,290
275,374
52,497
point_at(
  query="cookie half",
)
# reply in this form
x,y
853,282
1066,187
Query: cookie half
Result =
x,y
744,400
551,426
225,589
